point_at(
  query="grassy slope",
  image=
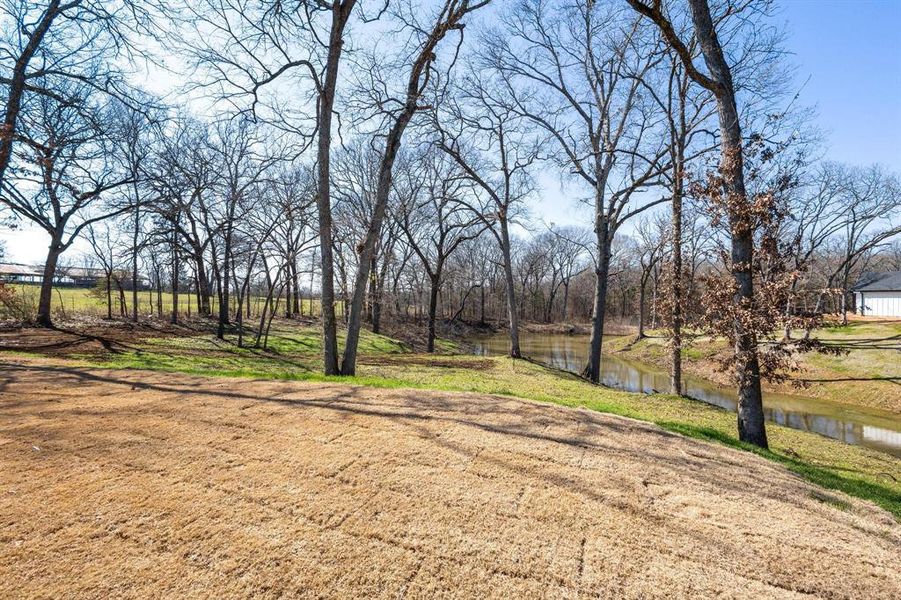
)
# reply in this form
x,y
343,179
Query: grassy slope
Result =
x,y
388,363
858,377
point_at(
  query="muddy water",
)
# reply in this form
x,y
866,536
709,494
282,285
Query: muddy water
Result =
x,y
878,430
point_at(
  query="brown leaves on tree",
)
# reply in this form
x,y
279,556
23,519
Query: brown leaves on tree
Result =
x,y
765,317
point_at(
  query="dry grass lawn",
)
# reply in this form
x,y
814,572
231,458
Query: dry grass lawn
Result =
x,y
140,484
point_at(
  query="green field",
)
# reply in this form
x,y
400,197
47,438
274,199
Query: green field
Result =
x,y
70,301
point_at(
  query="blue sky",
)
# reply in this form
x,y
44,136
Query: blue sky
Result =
x,y
848,59
847,51
851,50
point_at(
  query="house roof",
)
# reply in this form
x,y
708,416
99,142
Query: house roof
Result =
x,y
889,281
17,269
83,272
20,269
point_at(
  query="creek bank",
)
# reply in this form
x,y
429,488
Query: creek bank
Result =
x,y
856,425
863,378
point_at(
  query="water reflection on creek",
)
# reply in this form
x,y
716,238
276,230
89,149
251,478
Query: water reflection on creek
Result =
x,y
878,430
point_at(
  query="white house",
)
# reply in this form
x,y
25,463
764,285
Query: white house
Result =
x,y
879,294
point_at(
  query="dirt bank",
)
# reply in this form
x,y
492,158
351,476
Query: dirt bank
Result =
x,y
138,484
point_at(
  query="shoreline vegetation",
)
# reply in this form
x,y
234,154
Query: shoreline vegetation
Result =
x,y
294,354
866,375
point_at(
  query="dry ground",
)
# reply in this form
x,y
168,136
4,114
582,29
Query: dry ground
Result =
x,y
139,484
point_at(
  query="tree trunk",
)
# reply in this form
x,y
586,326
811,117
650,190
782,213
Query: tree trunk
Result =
x,y
196,293
676,284
549,307
159,293
340,14
377,302
433,312
844,303
174,317
239,317
789,310
373,285
288,290
295,282
271,316
270,284
511,290
482,303
134,262
844,308
203,288
123,306
263,313
593,370
224,287
377,316
109,296
751,425
217,277
44,318
641,301
289,293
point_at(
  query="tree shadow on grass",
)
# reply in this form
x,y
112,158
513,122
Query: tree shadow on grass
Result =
x,y
825,477
892,342
479,414
890,379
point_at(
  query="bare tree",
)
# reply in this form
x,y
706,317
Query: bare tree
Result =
x,y
686,108
54,49
103,244
135,140
422,71
294,197
244,165
568,252
576,70
490,142
435,222
64,174
187,174
817,215
252,48
738,206
652,236
868,202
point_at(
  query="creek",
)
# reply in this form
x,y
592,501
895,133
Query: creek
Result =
x,y
852,425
